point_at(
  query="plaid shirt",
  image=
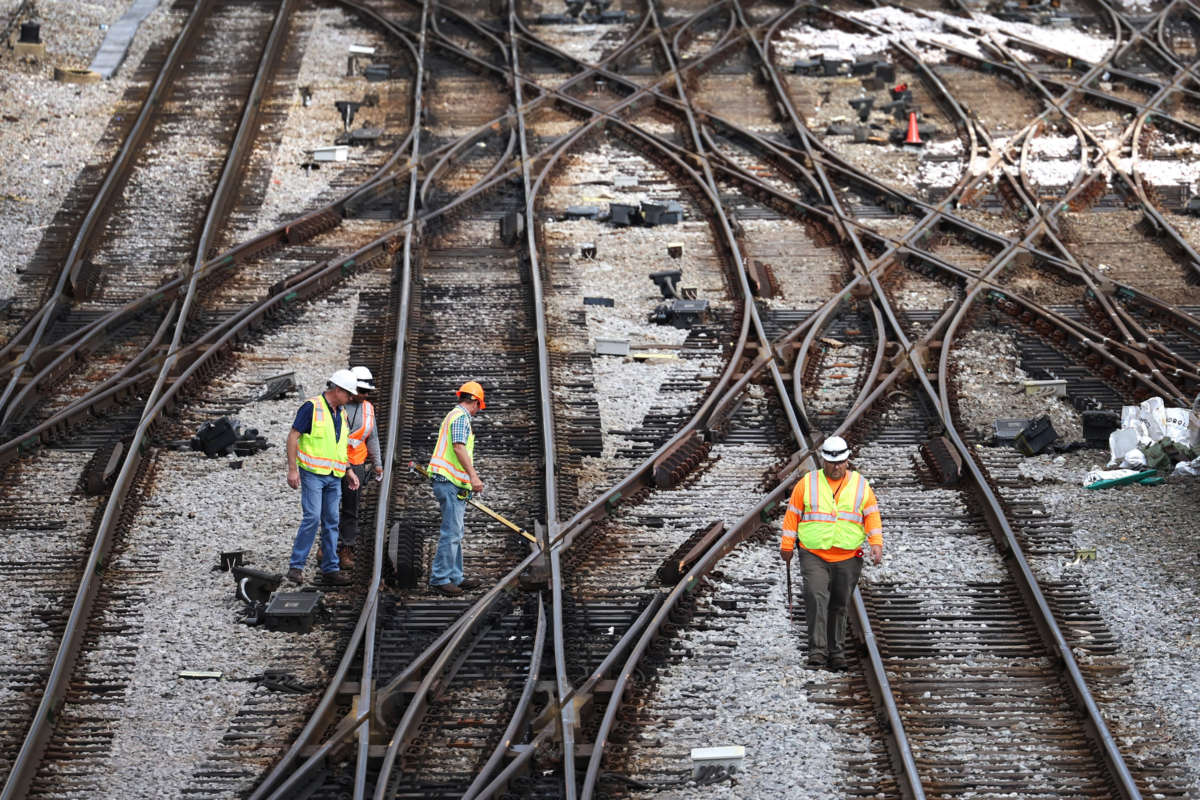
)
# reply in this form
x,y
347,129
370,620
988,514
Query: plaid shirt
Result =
x,y
460,429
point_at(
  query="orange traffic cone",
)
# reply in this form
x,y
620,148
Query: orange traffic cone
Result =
x,y
913,136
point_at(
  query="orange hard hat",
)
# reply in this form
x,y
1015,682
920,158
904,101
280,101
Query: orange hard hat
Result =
x,y
475,390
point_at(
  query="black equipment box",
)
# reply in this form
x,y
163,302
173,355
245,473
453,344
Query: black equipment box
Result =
x,y
254,585
1097,425
215,438
292,612
1037,436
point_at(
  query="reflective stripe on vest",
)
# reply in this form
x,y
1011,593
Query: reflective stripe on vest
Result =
x,y
358,439
826,522
321,450
444,460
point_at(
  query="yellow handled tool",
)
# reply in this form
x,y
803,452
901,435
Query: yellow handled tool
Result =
x,y
415,467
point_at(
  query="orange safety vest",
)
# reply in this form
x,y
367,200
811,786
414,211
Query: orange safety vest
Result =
x,y
321,450
826,522
358,438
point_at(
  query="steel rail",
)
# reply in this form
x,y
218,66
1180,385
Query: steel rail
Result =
x,y
1040,225
1003,240
1114,763
598,748
549,453
87,338
68,276
80,341
1040,609
29,758
364,631
370,614
386,695
583,692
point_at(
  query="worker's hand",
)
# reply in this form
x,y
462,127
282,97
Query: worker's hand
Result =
x,y
476,485
294,477
352,480
877,554
786,555
379,473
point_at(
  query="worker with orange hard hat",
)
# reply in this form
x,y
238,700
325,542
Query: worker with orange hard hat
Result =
x,y
452,466
832,512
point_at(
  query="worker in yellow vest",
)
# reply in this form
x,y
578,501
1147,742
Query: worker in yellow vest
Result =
x,y
364,444
454,479
317,460
832,512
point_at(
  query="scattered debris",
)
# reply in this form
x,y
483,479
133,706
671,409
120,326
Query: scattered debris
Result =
x,y
1038,435
255,585
1055,387
1152,435
229,560
1104,479
680,313
224,437
612,347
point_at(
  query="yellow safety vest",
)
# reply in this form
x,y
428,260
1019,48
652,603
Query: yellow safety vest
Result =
x,y
321,450
444,460
358,439
826,523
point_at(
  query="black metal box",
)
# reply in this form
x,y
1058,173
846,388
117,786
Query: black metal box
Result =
x,y
1037,436
292,612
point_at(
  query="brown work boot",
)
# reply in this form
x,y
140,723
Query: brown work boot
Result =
x,y
336,578
449,589
296,576
346,556
467,584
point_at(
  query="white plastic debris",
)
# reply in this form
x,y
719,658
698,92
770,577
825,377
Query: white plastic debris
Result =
x,y
1095,474
1150,422
1190,469
1122,442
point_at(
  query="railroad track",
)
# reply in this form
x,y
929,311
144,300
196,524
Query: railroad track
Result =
x,y
541,669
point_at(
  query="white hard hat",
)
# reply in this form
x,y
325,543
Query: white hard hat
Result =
x,y
834,450
365,379
344,379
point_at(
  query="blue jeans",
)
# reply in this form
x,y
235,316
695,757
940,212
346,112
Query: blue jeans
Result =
x,y
320,497
448,562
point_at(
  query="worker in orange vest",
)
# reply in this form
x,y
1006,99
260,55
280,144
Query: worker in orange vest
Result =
x,y
363,443
454,479
832,512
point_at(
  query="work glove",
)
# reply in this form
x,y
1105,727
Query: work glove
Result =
x,y
786,555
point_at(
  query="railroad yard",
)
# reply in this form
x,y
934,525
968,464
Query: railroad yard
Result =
x,y
680,244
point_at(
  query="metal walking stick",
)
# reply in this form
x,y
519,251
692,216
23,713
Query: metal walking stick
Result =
x,y
788,564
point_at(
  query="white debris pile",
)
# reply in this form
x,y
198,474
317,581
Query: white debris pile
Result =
x,y
933,29
1054,147
1053,162
1153,436
939,174
805,41
1161,172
